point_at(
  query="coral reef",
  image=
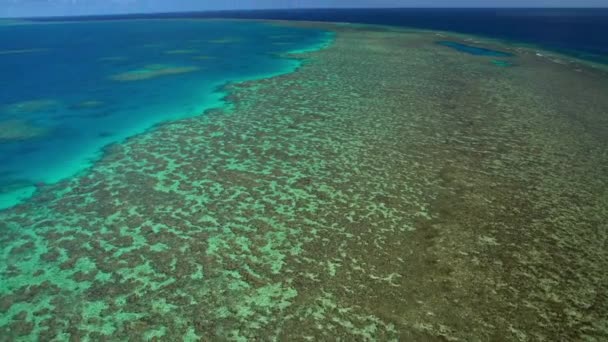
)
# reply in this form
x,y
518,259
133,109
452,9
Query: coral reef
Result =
x,y
15,130
30,106
390,189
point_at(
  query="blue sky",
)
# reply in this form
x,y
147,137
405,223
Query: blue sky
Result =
x,y
12,8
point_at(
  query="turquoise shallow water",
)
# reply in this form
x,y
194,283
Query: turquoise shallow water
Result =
x,y
69,89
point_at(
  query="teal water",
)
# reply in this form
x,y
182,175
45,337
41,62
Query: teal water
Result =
x,y
474,50
69,89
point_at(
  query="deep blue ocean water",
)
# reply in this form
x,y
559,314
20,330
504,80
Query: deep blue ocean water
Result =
x,y
69,89
582,33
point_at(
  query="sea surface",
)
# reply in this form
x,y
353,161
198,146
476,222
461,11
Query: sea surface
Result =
x,y
69,89
579,32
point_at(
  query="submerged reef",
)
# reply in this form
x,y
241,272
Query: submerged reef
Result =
x,y
203,57
181,52
28,107
90,104
226,40
390,189
153,71
16,130
114,59
20,51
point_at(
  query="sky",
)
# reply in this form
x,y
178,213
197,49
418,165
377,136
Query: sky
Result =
x,y
20,8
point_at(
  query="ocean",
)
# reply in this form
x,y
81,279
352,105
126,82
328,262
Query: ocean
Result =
x,y
70,89
579,32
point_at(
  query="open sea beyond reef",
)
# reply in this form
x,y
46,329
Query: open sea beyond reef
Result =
x,y
182,178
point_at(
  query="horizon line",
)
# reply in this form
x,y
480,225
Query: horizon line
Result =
x,y
85,15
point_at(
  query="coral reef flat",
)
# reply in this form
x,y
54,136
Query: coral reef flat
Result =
x,y
389,189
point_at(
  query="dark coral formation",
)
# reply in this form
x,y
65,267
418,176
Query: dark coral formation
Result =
x,y
390,189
